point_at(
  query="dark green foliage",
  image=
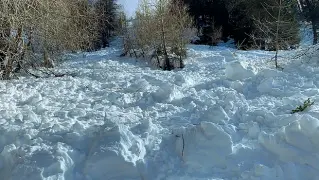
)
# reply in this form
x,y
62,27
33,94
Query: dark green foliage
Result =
x,y
256,22
305,105
238,18
209,13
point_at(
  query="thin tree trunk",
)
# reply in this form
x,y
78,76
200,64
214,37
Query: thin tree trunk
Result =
x,y
158,61
277,33
13,54
4,34
29,44
2,59
181,55
166,65
314,30
104,39
20,48
46,60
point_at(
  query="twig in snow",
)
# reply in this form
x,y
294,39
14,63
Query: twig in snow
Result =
x,y
183,145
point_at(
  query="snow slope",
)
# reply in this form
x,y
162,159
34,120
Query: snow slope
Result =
x,y
225,116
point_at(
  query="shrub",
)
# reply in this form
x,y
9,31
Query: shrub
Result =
x,y
163,28
305,105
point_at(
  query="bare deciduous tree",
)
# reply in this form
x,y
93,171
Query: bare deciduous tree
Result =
x,y
277,29
162,27
29,28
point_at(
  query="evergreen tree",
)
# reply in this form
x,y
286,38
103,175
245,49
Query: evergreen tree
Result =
x,y
209,16
238,19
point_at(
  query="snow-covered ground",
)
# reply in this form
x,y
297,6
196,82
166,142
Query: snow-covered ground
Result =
x,y
225,116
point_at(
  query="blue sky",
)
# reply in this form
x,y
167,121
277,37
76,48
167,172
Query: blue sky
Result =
x,y
129,6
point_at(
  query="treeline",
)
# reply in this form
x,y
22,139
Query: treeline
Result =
x,y
253,23
162,28
34,32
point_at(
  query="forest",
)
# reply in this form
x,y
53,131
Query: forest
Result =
x,y
36,33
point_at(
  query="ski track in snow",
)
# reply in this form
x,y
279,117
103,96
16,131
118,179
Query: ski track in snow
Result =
x,y
225,116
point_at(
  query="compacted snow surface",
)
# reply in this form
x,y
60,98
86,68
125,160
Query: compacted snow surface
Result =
x,y
225,116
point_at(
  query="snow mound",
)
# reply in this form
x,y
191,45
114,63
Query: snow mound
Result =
x,y
216,114
167,93
192,147
238,71
297,142
114,153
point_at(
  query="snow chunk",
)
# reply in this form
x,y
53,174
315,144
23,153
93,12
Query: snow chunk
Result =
x,y
237,71
237,85
254,130
269,73
8,158
115,154
268,85
204,146
297,142
304,133
167,93
31,117
216,114
33,99
263,172
179,79
139,85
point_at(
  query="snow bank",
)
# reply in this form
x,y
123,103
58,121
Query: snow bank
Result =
x,y
296,142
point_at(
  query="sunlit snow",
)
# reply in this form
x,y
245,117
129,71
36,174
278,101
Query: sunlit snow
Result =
x,y
225,116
